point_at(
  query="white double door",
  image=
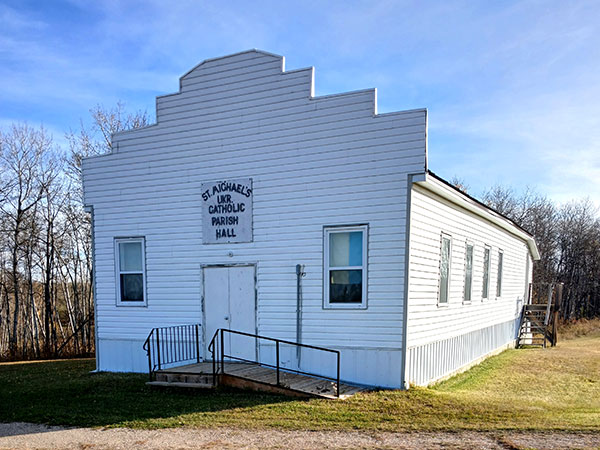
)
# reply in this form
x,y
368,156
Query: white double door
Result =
x,y
230,303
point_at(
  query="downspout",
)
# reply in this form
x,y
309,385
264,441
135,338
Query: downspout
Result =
x,y
299,274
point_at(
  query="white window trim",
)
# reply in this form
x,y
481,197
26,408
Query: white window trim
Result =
x,y
489,270
499,274
445,304
345,229
465,301
118,272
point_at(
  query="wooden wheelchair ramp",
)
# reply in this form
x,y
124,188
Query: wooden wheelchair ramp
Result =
x,y
174,360
251,376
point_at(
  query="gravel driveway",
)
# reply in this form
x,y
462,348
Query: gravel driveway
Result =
x,y
23,435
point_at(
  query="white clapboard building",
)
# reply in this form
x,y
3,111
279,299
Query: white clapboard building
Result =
x,y
204,217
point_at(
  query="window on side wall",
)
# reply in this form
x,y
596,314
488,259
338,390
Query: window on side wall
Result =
x,y
445,260
468,272
499,281
130,271
345,277
486,273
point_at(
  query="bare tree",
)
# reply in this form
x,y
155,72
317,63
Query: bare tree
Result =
x,y
24,155
460,184
76,257
97,139
568,238
46,301
579,258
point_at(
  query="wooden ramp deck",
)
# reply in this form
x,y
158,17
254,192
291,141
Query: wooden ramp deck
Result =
x,y
252,376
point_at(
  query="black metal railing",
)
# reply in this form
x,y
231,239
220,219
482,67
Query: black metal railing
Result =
x,y
217,350
169,345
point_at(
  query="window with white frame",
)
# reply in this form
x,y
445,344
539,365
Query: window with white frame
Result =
x,y
345,277
486,273
130,270
499,281
445,259
468,271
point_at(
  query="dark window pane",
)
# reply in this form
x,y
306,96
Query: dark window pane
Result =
x,y
132,287
345,286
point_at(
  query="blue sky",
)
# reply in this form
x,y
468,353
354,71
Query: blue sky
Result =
x,y
512,88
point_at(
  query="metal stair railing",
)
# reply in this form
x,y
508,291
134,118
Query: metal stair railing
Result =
x,y
538,320
165,346
217,348
532,322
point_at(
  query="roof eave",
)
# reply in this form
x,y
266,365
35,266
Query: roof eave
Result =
x,y
454,196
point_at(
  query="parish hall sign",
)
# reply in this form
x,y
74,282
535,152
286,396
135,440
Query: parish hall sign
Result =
x,y
227,211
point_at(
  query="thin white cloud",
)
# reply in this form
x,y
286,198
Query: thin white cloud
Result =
x,y
12,20
512,87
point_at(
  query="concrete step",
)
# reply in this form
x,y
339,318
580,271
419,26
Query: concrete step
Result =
x,y
174,377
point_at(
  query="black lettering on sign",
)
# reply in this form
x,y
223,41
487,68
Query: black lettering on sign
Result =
x,y
227,211
225,233
228,208
225,220
224,198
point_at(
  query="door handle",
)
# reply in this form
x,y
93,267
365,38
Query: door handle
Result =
x,y
226,317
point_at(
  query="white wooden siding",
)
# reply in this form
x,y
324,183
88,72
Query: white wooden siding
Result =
x,y
313,161
429,323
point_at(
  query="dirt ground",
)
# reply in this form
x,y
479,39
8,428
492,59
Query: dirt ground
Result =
x,y
23,435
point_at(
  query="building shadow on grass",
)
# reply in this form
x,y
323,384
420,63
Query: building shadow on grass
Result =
x,y
66,393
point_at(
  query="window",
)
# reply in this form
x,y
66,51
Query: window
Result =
x,y
499,283
468,272
486,272
130,268
444,270
345,278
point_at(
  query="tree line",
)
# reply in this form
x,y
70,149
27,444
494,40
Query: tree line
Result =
x,y
568,239
46,276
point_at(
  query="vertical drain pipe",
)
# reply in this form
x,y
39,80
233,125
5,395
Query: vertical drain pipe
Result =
x,y
299,274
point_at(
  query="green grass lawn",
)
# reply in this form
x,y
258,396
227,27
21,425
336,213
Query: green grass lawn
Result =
x,y
529,389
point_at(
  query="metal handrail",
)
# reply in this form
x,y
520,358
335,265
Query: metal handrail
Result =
x,y
170,345
216,344
211,349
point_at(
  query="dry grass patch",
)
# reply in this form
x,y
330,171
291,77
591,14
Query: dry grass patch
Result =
x,y
533,389
572,329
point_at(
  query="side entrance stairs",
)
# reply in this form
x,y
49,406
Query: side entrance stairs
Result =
x,y
538,325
